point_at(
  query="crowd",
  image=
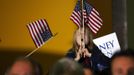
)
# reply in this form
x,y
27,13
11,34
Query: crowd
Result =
x,y
84,58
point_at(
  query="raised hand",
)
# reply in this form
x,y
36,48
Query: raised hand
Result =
x,y
78,54
86,52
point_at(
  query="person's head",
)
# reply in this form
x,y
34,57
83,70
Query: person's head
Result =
x,y
87,71
77,40
122,61
66,66
24,66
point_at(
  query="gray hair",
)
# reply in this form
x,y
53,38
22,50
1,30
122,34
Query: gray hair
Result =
x,y
66,66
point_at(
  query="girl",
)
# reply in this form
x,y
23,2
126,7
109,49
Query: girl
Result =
x,y
86,53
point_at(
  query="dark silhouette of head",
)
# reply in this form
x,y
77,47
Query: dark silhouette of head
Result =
x,y
66,66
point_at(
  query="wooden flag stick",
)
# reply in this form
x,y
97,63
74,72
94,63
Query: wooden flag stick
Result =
x,y
29,54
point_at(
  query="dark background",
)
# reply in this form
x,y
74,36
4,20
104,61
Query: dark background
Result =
x,y
130,13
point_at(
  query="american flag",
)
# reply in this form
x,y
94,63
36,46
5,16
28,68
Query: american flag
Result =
x,y
91,16
39,31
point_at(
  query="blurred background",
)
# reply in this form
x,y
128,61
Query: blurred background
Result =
x,y
15,40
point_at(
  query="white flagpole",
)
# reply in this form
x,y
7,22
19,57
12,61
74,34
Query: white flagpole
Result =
x,y
82,8
29,54
83,13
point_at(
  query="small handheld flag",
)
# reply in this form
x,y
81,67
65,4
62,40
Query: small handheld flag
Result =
x,y
39,31
91,16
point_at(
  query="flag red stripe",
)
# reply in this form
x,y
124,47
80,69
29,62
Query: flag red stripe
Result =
x,y
40,28
38,43
34,36
75,21
38,32
95,22
96,12
77,15
37,35
93,26
97,17
44,24
76,18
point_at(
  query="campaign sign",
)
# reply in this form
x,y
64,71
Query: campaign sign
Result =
x,y
108,44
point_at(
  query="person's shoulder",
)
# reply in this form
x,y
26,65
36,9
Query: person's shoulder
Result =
x,y
97,52
70,53
95,48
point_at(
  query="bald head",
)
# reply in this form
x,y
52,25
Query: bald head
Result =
x,y
21,68
24,66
